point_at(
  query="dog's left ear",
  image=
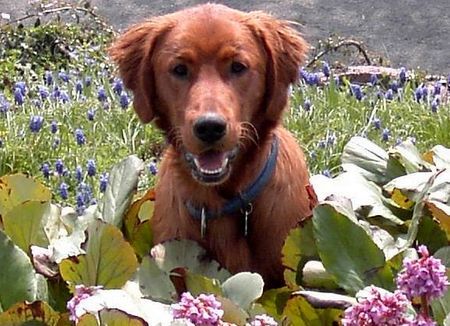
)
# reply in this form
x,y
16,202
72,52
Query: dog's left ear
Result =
x,y
285,49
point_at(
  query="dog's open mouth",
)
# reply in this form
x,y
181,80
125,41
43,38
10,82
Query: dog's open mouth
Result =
x,y
211,167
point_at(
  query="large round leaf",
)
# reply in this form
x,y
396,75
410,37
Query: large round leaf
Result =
x,y
18,281
34,313
347,251
24,224
109,260
18,188
243,288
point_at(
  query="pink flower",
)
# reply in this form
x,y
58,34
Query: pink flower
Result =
x,y
81,292
422,320
263,320
379,307
203,310
424,276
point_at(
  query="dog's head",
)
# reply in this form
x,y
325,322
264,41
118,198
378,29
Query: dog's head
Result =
x,y
212,78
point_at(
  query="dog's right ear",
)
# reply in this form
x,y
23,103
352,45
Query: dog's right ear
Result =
x,y
132,51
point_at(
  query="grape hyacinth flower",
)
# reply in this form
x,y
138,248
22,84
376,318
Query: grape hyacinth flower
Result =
x,y
56,93
379,307
36,122
377,123
64,97
322,143
56,142
18,96
307,105
79,87
45,169
81,292
373,79
153,168
389,94
48,78
4,104
313,79
87,81
435,105
43,92
103,181
423,277
83,197
117,86
90,114
437,88
203,310
394,86
79,173
79,137
91,168
59,166
356,91
424,93
22,86
124,100
63,190
53,127
386,134
63,76
326,69
263,320
402,75
418,93
327,173
101,94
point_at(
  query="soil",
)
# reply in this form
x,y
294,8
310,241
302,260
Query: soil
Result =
x,y
410,33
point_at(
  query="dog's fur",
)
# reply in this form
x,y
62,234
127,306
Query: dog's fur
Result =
x,y
206,40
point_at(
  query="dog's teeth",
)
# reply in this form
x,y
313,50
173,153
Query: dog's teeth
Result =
x,y
217,171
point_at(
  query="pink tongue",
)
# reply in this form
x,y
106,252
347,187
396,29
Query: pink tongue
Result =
x,y
211,160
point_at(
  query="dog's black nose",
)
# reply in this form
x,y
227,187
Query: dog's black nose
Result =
x,y
210,128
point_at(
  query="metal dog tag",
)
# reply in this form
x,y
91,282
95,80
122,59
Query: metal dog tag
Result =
x,y
203,223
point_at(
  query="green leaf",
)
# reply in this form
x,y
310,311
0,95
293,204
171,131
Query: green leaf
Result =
x,y
34,313
298,248
441,306
243,288
155,282
316,276
232,313
18,188
324,300
197,284
274,301
109,260
300,313
24,224
112,317
431,234
18,281
353,266
122,184
440,156
409,157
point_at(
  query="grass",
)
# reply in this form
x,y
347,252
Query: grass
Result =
x,y
334,116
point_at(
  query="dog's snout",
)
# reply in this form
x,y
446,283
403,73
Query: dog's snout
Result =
x,y
210,128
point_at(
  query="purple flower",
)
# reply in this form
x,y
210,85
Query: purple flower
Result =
x,y
91,168
101,94
376,123
394,86
87,81
117,86
59,166
18,96
418,93
56,93
1,143
379,307
45,169
124,100
386,134
22,86
4,104
53,127
303,74
64,97
435,105
81,292
48,78
263,320
56,142
43,92
326,69
322,143
79,173
424,276
103,181
90,114
389,94
422,320
83,197
402,75
356,91
63,76
327,173
373,79
437,88
203,310
63,190
331,139
36,122
79,87
153,168
79,136
424,93
307,105
313,79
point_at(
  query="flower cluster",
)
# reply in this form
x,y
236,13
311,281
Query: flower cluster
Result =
x,y
81,293
203,310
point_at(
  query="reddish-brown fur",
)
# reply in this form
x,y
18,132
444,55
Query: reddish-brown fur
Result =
x,y
208,38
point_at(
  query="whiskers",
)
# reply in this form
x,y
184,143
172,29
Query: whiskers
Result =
x,y
248,134
175,137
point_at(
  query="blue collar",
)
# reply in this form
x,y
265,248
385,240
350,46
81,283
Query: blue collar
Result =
x,y
243,201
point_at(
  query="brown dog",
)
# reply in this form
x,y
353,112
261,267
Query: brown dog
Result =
x,y
216,81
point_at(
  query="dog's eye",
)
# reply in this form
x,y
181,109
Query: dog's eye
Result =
x,y
237,67
180,71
